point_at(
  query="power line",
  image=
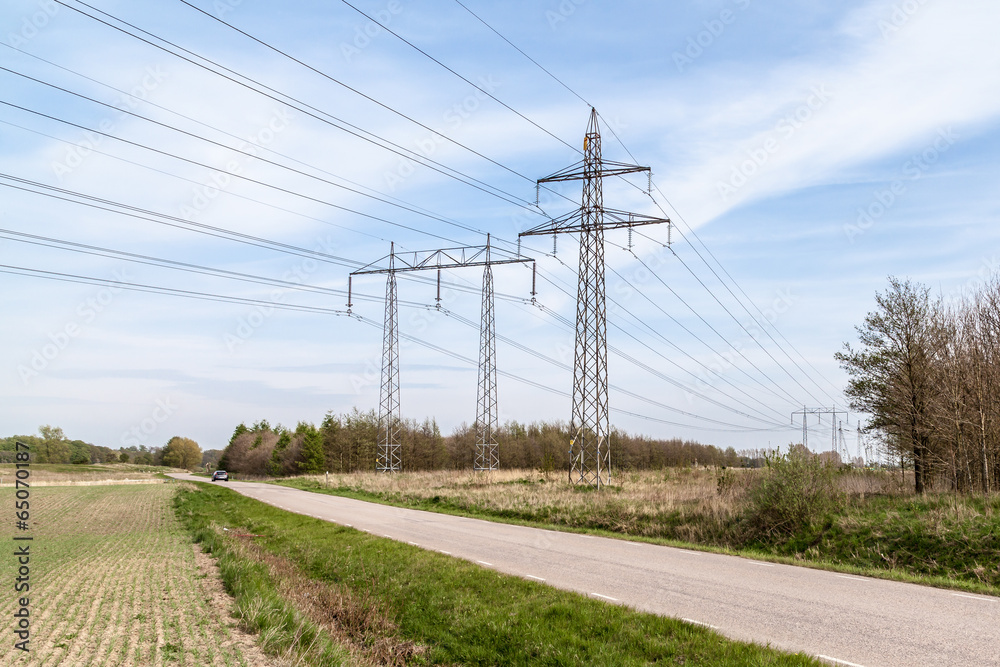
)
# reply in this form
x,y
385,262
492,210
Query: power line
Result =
x,y
538,385
173,112
234,175
751,301
567,367
221,298
255,279
717,333
98,251
633,158
539,65
201,228
248,154
304,108
676,347
354,90
190,180
102,103
203,270
155,289
567,323
634,361
745,330
474,85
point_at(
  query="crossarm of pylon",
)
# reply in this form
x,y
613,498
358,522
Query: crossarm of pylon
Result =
x,y
448,258
607,168
575,221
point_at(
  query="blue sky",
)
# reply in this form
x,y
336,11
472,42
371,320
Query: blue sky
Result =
x,y
815,148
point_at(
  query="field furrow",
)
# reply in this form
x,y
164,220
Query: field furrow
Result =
x,y
115,582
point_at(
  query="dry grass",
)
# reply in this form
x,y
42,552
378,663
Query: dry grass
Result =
x,y
637,503
696,505
354,620
115,581
86,475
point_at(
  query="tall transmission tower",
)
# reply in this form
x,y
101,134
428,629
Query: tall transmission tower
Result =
x,y
487,455
819,412
590,452
387,458
845,453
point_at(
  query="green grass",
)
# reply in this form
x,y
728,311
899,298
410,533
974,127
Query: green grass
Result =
x,y
946,540
460,613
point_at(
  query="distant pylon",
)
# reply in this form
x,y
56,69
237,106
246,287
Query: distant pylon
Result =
x,y
590,452
833,412
388,455
487,456
387,458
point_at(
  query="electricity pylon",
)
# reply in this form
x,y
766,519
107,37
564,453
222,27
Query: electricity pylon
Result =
x,y
845,453
590,453
833,412
387,456
487,457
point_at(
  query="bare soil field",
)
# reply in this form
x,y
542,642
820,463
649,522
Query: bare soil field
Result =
x,y
115,580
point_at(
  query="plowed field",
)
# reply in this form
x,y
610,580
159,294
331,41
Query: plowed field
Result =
x,y
115,580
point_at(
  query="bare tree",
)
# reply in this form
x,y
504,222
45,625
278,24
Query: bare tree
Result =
x,y
891,373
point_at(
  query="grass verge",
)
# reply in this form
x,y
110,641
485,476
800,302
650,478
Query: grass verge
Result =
x,y
941,540
437,609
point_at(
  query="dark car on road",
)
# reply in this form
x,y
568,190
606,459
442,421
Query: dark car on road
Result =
x,y
220,475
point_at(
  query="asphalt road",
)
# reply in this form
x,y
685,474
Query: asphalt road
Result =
x,y
843,619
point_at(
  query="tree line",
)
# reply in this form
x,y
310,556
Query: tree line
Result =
x,y
348,442
927,370
52,446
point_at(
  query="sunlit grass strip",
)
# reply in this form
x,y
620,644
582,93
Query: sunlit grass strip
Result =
x,y
461,613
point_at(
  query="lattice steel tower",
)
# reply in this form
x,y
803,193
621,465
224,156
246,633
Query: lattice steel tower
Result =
x,y
833,412
487,456
387,458
590,452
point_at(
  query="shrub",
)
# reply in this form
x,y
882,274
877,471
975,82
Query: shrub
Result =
x,y
793,491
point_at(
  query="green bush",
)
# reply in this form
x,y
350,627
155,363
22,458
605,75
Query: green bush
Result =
x,y
794,491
